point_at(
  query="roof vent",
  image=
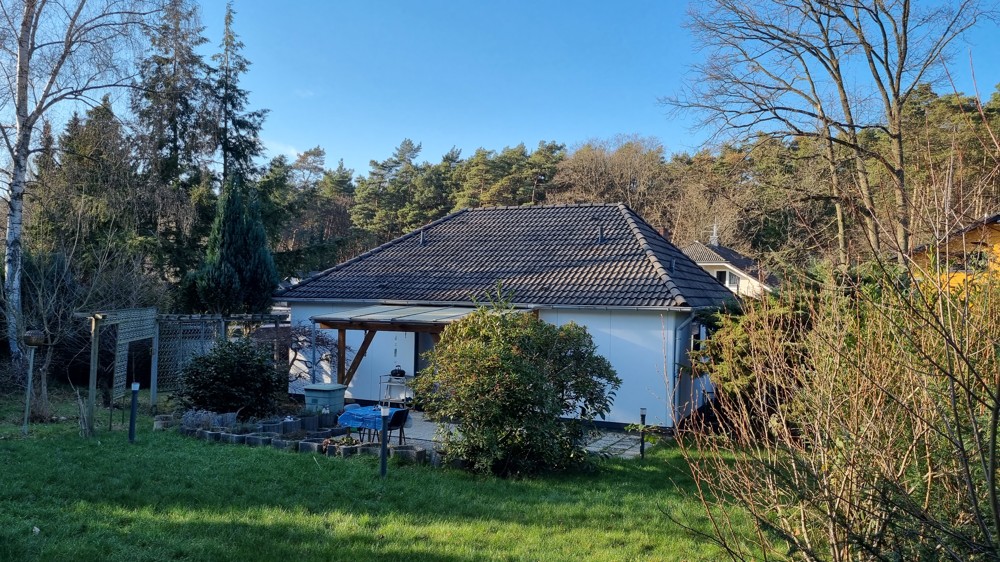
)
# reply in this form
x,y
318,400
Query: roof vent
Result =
x,y
714,239
673,262
600,235
422,241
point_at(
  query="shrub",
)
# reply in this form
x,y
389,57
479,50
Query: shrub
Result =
x,y
507,379
236,375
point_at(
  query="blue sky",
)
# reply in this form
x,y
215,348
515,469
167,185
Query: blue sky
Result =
x,y
357,77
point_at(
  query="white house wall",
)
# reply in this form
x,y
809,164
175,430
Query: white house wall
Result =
x,y
641,347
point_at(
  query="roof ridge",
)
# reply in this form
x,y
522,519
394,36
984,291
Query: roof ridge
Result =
x,y
377,249
544,206
633,219
714,253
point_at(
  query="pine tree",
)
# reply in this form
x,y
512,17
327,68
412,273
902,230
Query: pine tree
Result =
x,y
239,274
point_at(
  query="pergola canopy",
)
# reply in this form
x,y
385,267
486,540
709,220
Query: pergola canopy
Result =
x,y
394,318
388,318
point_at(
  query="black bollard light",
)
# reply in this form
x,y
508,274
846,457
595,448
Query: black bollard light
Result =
x,y
642,433
135,410
385,439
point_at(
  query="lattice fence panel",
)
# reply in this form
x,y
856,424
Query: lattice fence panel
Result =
x,y
181,340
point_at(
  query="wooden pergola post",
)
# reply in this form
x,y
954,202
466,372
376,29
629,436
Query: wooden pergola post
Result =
x,y
95,346
341,355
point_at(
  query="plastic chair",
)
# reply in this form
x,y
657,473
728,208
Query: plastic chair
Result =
x,y
398,422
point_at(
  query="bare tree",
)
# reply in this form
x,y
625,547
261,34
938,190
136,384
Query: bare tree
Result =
x,y
53,51
837,70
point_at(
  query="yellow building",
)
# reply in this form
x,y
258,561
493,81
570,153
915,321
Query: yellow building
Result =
x,y
962,255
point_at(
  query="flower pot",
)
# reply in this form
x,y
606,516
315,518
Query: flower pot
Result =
x,y
372,449
260,439
311,445
409,453
289,425
163,421
347,450
309,423
285,444
233,438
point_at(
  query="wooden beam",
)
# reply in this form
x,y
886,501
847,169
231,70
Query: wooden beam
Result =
x,y
356,362
341,355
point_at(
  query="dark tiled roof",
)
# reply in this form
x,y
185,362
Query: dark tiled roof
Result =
x,y
713,253
544,255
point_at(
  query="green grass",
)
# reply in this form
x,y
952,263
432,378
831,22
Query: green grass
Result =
x,y
170,497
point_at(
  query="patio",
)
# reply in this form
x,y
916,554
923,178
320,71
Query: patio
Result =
x,y
605,442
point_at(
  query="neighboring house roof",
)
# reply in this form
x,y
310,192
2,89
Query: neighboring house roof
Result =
x,y
714,254
985,222
580,255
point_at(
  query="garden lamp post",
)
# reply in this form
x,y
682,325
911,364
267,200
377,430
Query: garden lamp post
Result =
x,y
385,439
135,411
642,433
32,339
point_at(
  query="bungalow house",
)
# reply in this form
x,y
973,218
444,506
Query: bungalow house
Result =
x,y
599,265
740,274
964,253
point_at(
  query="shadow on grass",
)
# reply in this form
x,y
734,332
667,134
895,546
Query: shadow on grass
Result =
x,y
179,498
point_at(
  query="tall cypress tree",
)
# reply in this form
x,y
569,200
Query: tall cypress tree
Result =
x,y
239,274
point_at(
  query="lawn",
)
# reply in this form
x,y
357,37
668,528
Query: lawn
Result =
x,y
170,497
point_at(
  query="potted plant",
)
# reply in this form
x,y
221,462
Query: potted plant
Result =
x,y
344,447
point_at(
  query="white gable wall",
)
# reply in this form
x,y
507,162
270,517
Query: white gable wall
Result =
x,y
642,348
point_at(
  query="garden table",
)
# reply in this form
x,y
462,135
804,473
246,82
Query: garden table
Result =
x,y
365,417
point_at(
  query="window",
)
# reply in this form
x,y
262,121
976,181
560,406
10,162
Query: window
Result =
x,y
728,278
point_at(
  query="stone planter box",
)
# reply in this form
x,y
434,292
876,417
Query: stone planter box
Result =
x,y
338,431
314,445
260,439
327,420
409,453
163,421
271,426
233,438
189,431
210,434
285,444
372,449
309,423
290,425
319,434
345,451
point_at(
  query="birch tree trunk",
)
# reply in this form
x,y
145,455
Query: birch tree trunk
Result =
x,y
61,50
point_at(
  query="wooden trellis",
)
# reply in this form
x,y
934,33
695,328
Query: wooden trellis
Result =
x,y
177,339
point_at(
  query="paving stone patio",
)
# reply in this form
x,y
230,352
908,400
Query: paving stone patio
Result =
x,y
608,443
